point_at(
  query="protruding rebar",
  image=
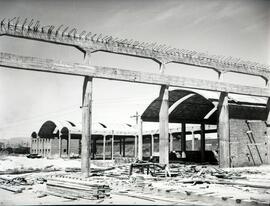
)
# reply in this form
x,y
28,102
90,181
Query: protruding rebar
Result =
x,y
58,29
64,31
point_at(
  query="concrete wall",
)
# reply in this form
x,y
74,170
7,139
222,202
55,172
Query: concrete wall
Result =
x,y
43,146
74,147
64,147
242,148
54,147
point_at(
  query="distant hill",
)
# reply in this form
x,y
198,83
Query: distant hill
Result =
x,y
16,141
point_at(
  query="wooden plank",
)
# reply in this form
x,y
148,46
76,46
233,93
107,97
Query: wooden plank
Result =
x,y
164,126
86,126
157,52
46,65
224,131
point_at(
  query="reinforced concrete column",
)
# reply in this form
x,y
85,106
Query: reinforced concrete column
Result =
x,y
59,144
268,130
135,146
124,147
140,139
86,120
120,145
171,142
183,140
224,131
86,126
202,142
164,126
104,147
37,141
112,145
69,144
193,139
151,145
43,148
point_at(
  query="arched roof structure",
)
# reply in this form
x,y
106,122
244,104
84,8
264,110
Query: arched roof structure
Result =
x,y
51,129
102,129
192,107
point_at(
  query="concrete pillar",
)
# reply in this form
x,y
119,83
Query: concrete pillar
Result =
x,y
140,139
120,145
152,144
202,142
86,126
37,144
164,126
183,140
43,148
112,145
224,131
69,144
171,142
193,139
124,146
104,147
135,146
268,130
59,144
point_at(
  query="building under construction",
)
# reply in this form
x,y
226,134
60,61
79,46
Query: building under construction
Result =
x,y
197,115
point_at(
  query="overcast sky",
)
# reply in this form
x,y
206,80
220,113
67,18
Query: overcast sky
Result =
x,y
230,28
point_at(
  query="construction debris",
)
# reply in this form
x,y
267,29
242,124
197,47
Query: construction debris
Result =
x,y
146,181
77,187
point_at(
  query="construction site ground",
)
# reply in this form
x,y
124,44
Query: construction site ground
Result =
x,y
25,181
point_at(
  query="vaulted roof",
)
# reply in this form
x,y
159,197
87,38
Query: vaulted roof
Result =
x,y
193,107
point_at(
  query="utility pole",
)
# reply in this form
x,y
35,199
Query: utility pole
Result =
x,y
136,117
139,142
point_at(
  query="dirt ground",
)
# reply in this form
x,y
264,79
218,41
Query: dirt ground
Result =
x,y
193,184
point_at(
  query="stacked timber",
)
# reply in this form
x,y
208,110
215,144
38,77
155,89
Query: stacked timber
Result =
x,y
75,187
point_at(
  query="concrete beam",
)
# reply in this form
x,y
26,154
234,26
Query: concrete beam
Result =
x,y
46,65
178,102
155,52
